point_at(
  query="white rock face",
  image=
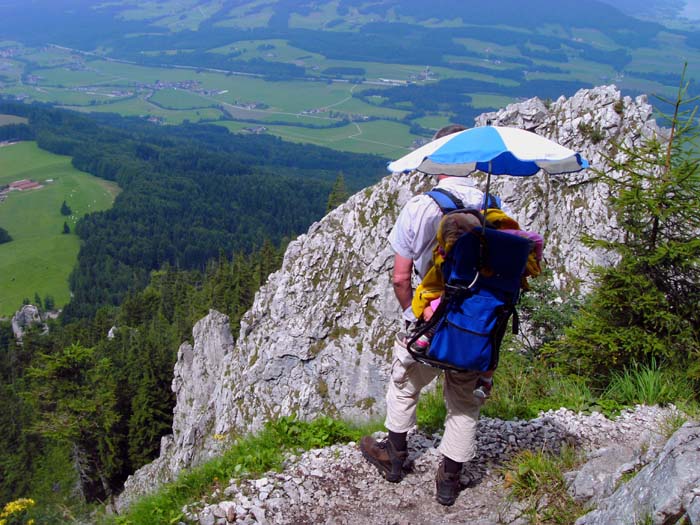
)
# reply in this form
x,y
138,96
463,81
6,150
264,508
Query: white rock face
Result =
x,y
318,337
565,207
25,318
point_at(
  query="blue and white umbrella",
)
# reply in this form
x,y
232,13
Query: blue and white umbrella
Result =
x,y
494,150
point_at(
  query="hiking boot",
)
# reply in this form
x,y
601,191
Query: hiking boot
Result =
x,y
483,387
384,456
447,486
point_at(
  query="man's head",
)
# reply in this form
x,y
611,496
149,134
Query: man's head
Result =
x,y
448,130
444,131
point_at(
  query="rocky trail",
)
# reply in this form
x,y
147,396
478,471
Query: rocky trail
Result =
x,y
335,485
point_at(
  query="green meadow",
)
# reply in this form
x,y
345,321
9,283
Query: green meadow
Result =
x,y
40,257
388,139
11,119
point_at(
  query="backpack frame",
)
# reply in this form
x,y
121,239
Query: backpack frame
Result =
x,y
482,274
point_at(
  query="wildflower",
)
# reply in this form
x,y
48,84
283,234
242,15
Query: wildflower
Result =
x,y
16,507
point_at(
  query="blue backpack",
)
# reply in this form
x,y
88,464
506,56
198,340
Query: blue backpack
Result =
x,y
482,274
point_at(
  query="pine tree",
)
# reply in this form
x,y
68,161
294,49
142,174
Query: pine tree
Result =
x,y
4,236
644,308
65,209
339,194
49,303
74,391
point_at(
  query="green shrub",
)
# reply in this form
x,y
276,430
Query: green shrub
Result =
x,y
524,386
537,479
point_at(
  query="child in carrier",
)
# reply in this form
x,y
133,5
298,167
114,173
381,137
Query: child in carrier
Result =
x,y
428,294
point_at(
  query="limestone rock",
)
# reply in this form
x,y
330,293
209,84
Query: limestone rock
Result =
x,y
664,490
25,318
335,485
197,369
598,477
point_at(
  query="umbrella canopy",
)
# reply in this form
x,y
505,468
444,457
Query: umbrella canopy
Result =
x,y
492,149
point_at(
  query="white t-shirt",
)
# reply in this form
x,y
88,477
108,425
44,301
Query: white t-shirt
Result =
x,y
413,235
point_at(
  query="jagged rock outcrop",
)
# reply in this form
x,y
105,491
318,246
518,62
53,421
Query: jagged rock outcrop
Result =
x,y
27,317
319,334
663,492
197,371
564,207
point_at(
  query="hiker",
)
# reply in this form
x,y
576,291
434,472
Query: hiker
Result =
x,y
413,239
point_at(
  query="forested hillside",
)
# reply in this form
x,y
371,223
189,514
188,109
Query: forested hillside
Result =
x,y
189,193
83,410
203,217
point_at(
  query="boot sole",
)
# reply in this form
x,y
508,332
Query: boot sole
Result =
x,y
383,470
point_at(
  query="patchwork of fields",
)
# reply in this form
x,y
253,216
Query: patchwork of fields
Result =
x,y
325,106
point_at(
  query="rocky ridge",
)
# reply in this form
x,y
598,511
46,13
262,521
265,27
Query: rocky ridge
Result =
x,y
336,486
318,336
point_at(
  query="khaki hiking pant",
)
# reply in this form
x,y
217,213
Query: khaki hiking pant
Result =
x,y
408,378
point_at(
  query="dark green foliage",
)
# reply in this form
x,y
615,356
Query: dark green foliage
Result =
x,y
339,194
12,132
129,374
188,193
644,308
49,303
74,393
4,236
546,310
65,209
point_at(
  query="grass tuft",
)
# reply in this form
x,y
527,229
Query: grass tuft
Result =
x,y
648,384
537,479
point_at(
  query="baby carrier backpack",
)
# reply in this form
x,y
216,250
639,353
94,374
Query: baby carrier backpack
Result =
x,y
482,274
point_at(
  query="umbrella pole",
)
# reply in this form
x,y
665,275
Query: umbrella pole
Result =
x,y
483,227
486,197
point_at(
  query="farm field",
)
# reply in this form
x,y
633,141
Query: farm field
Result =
x,y
11,119
388,139
40,257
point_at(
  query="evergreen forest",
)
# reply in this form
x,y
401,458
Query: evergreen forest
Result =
x,y
203,218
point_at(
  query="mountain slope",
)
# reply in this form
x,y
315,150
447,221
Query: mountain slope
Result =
x,y
318,337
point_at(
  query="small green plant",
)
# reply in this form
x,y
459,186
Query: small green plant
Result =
x,y
431,410
672,423
537,479
619,107
648,384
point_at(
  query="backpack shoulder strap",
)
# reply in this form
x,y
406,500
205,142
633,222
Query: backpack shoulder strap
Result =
x,y
445,200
